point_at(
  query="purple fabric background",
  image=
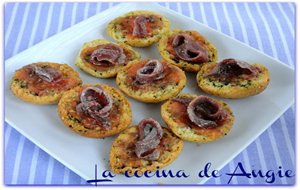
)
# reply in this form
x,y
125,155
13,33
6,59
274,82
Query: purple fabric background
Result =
x,y
268,27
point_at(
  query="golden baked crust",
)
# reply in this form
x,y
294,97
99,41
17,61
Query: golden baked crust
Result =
x,y
187,132
191,67
157,91
107,72
122,157
120,119
239,89
114,30
20,88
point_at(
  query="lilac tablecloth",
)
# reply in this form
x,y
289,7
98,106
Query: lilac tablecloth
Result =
x,y
268,27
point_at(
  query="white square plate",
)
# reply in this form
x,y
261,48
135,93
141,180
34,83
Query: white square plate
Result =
x,y
42,126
